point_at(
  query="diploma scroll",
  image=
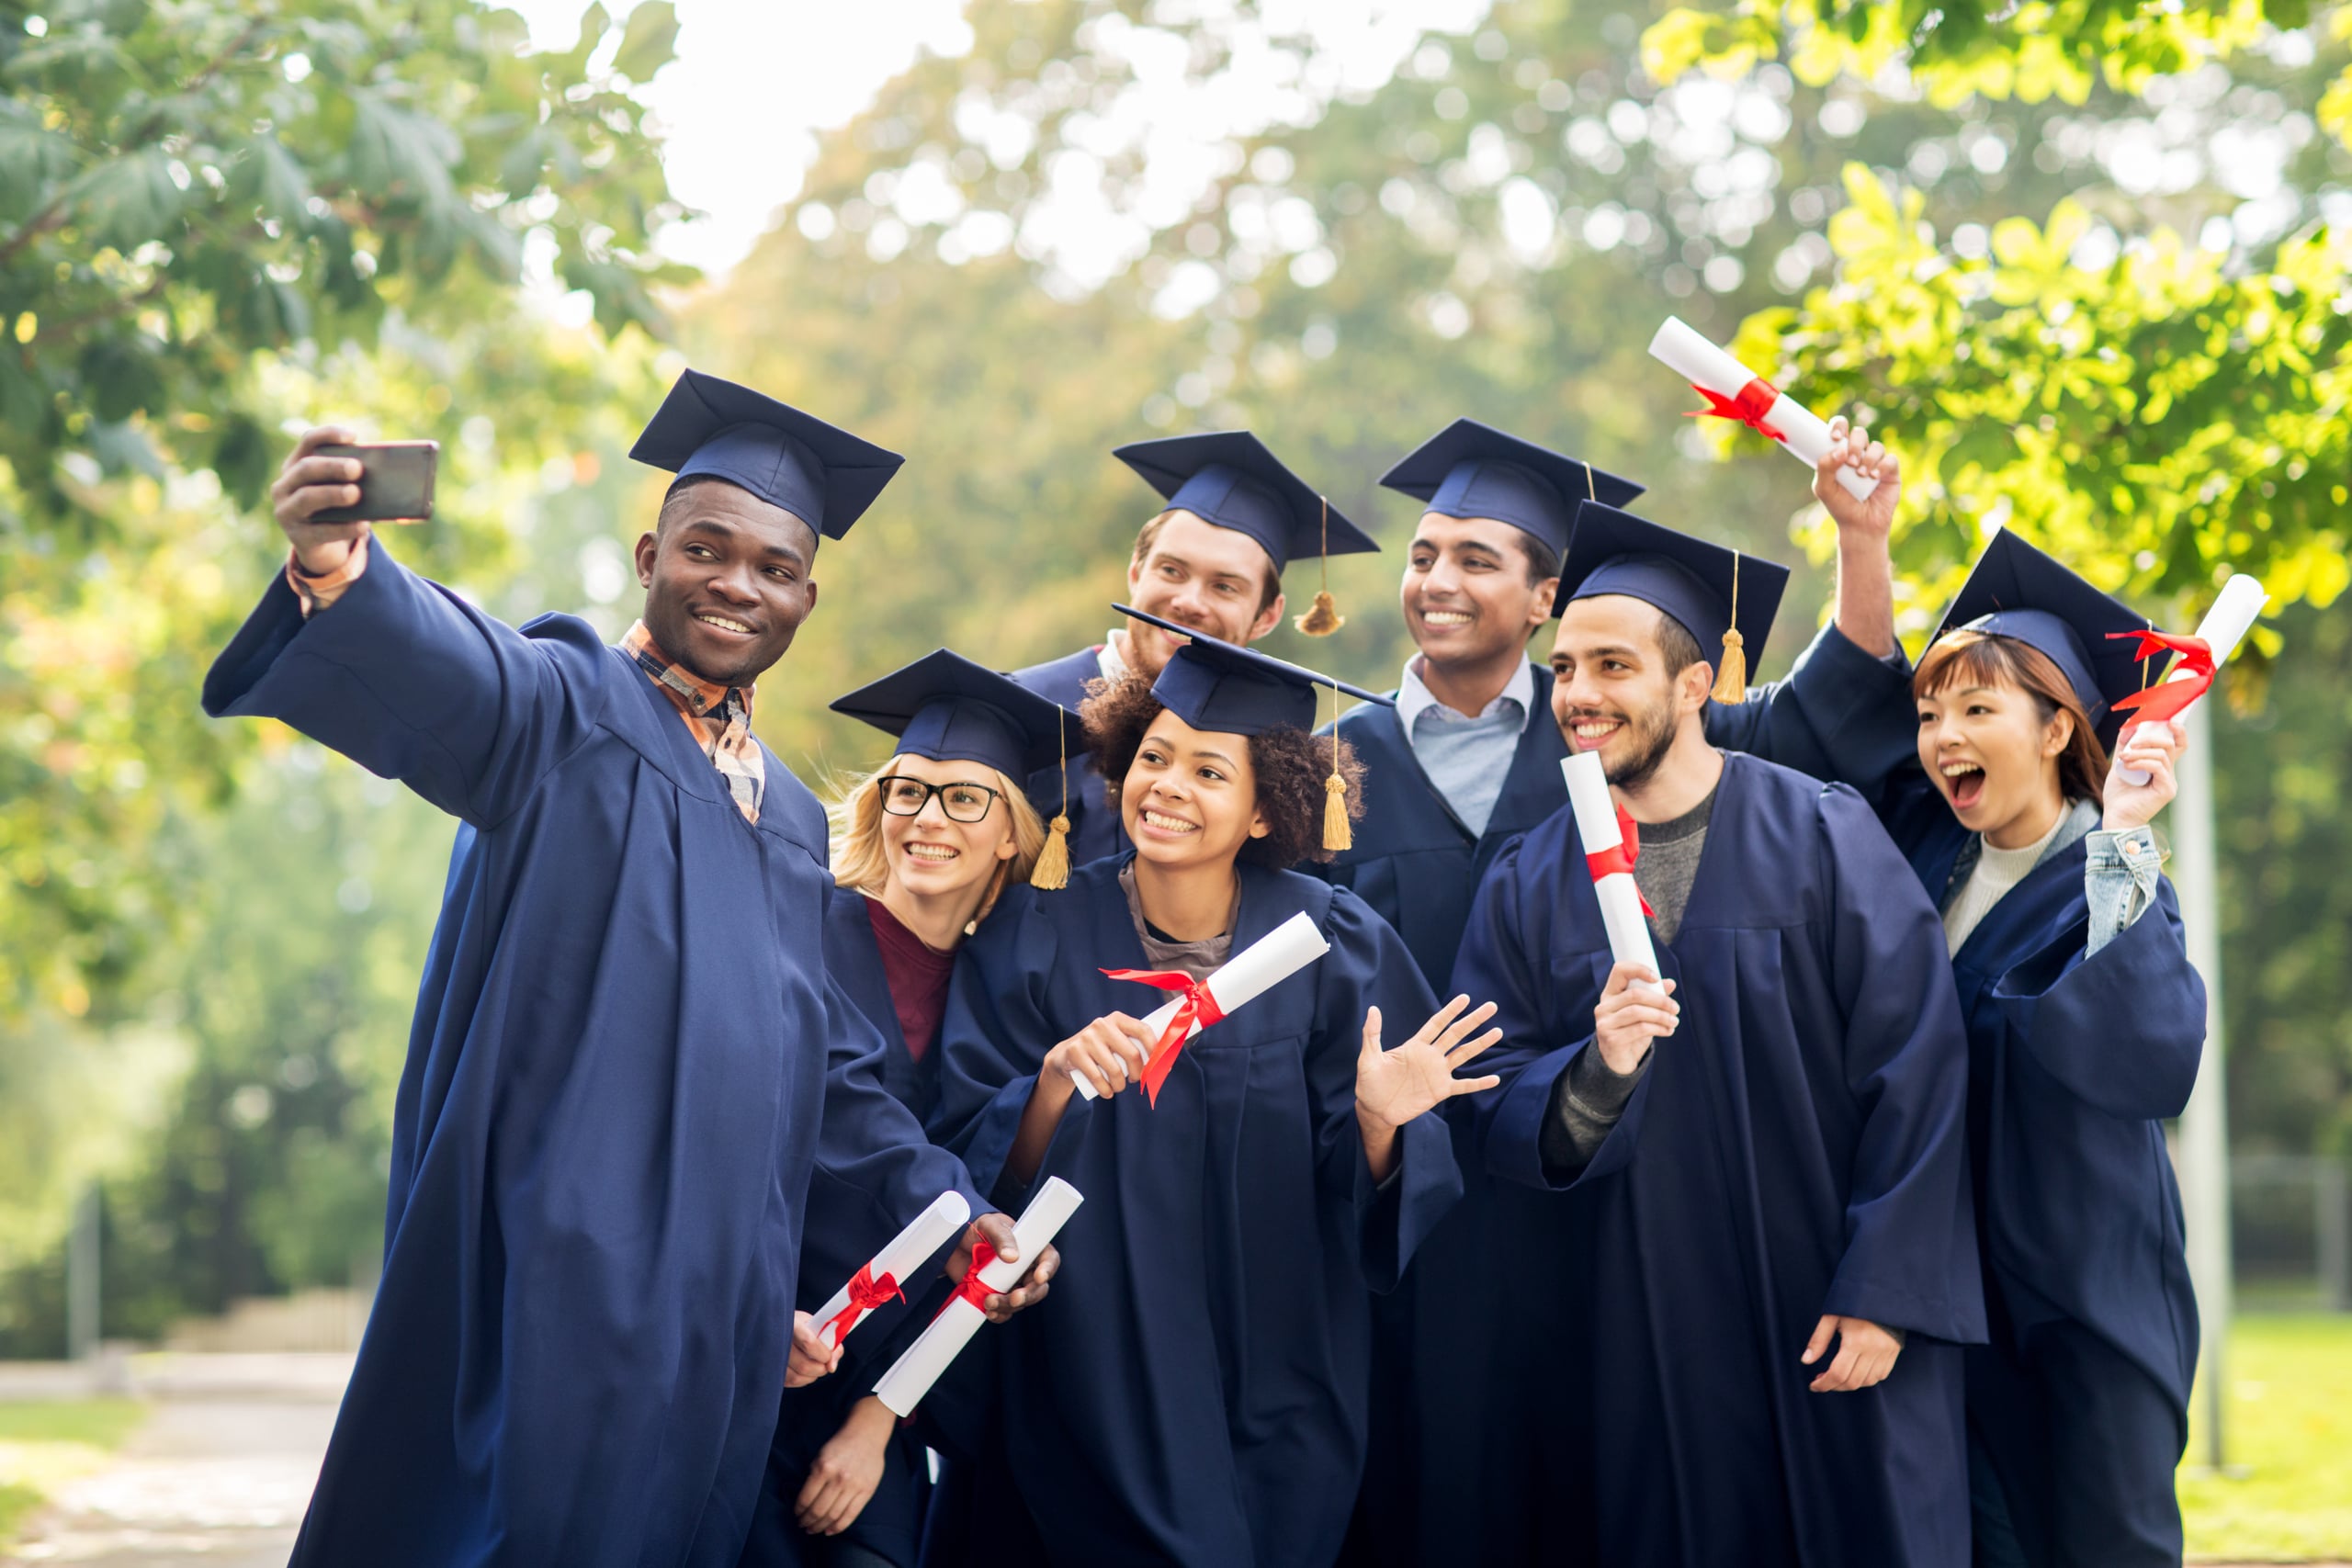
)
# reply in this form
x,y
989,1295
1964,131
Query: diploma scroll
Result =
x,y
1733,392
1620,900
1271,959
2223,628
910,1376
893,1266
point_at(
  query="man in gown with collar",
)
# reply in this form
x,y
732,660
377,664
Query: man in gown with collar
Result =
x,y
1470,758
1211,558
634,1104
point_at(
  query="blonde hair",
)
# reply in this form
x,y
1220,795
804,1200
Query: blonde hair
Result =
x,y
854,818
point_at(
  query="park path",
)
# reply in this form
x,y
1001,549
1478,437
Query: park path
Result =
x,y
218,1475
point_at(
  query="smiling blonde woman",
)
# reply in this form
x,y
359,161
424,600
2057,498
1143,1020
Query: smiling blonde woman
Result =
x,y
923,847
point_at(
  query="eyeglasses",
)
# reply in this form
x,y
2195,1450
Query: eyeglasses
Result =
x,y
961,802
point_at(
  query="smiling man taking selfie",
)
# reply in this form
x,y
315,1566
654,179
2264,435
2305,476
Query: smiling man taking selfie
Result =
x,y
632,1099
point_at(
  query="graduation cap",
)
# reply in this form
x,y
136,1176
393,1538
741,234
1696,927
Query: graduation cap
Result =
x,y
1718,595
949,709
1469,469
1228,478
1213,684
820,474
2016,590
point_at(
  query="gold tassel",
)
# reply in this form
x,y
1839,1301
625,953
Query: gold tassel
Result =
x,y
1051,874
1338,833
1322,617
1731,681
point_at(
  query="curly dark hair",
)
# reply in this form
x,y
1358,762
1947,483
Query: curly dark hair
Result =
x,y
1290,765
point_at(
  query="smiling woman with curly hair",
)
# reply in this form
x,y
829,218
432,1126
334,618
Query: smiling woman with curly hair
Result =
x,y
1277,1164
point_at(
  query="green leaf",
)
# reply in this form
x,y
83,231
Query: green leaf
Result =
x,y
268,177
649,41
395,153
32,158
127,201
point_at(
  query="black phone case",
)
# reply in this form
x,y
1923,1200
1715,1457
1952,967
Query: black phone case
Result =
x,y
395,484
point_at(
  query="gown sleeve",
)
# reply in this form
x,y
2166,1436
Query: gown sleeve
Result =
x,y
875,1170
1367,967
2122,1029
1910,1258
413,683
992,1040
1504,960
1841,715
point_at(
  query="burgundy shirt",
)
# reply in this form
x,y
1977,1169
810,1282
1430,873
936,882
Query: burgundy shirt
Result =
x,y
916,975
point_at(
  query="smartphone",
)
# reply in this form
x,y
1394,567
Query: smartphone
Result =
x,y
395,482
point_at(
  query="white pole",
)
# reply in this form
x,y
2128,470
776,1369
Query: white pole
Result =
x,y
2204,1126
81,1279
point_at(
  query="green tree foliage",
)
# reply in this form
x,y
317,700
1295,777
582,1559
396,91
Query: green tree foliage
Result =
x,y
213,217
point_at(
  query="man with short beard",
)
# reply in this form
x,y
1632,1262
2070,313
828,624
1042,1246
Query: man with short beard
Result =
x,y
1467,761
629,1081
1768,1205
1211,558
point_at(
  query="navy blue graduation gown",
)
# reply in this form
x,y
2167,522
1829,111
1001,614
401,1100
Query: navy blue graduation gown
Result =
x,y
626,1071
1460,1432
1095,829
890,1525
1797,1148
2073,1064
1193,1392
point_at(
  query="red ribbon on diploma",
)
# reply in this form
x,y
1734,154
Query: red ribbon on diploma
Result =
x,y
2166,699
971,1287
1198,1007
1609,863
1750,408
865,1293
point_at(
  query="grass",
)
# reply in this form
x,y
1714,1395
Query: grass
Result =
x,y
45,1443
2290,1433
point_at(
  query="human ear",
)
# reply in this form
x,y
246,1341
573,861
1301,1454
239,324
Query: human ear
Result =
x,y
649,544
1258,828
2060,730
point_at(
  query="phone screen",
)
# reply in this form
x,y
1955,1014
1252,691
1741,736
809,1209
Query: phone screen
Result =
x,y
395,482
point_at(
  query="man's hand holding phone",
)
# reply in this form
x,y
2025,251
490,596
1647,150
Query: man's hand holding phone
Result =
x,y
332,486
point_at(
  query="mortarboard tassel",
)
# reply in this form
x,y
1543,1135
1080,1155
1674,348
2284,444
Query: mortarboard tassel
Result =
x,y
1322,617
1337,833
1731,683
1051,874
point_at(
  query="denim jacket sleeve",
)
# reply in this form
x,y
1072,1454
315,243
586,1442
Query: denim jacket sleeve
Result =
x,y
2119,872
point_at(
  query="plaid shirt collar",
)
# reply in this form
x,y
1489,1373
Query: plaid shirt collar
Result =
x,y
719,717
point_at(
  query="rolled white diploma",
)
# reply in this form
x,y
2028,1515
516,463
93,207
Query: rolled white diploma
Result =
x,y
2223,628
1268,961
1704,366
1620,901
931,1229
912,1375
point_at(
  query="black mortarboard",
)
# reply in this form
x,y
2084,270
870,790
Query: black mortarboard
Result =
x,y
946,707
823,475
1229,478
1213,684
1469,469
2015,591
1723,598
